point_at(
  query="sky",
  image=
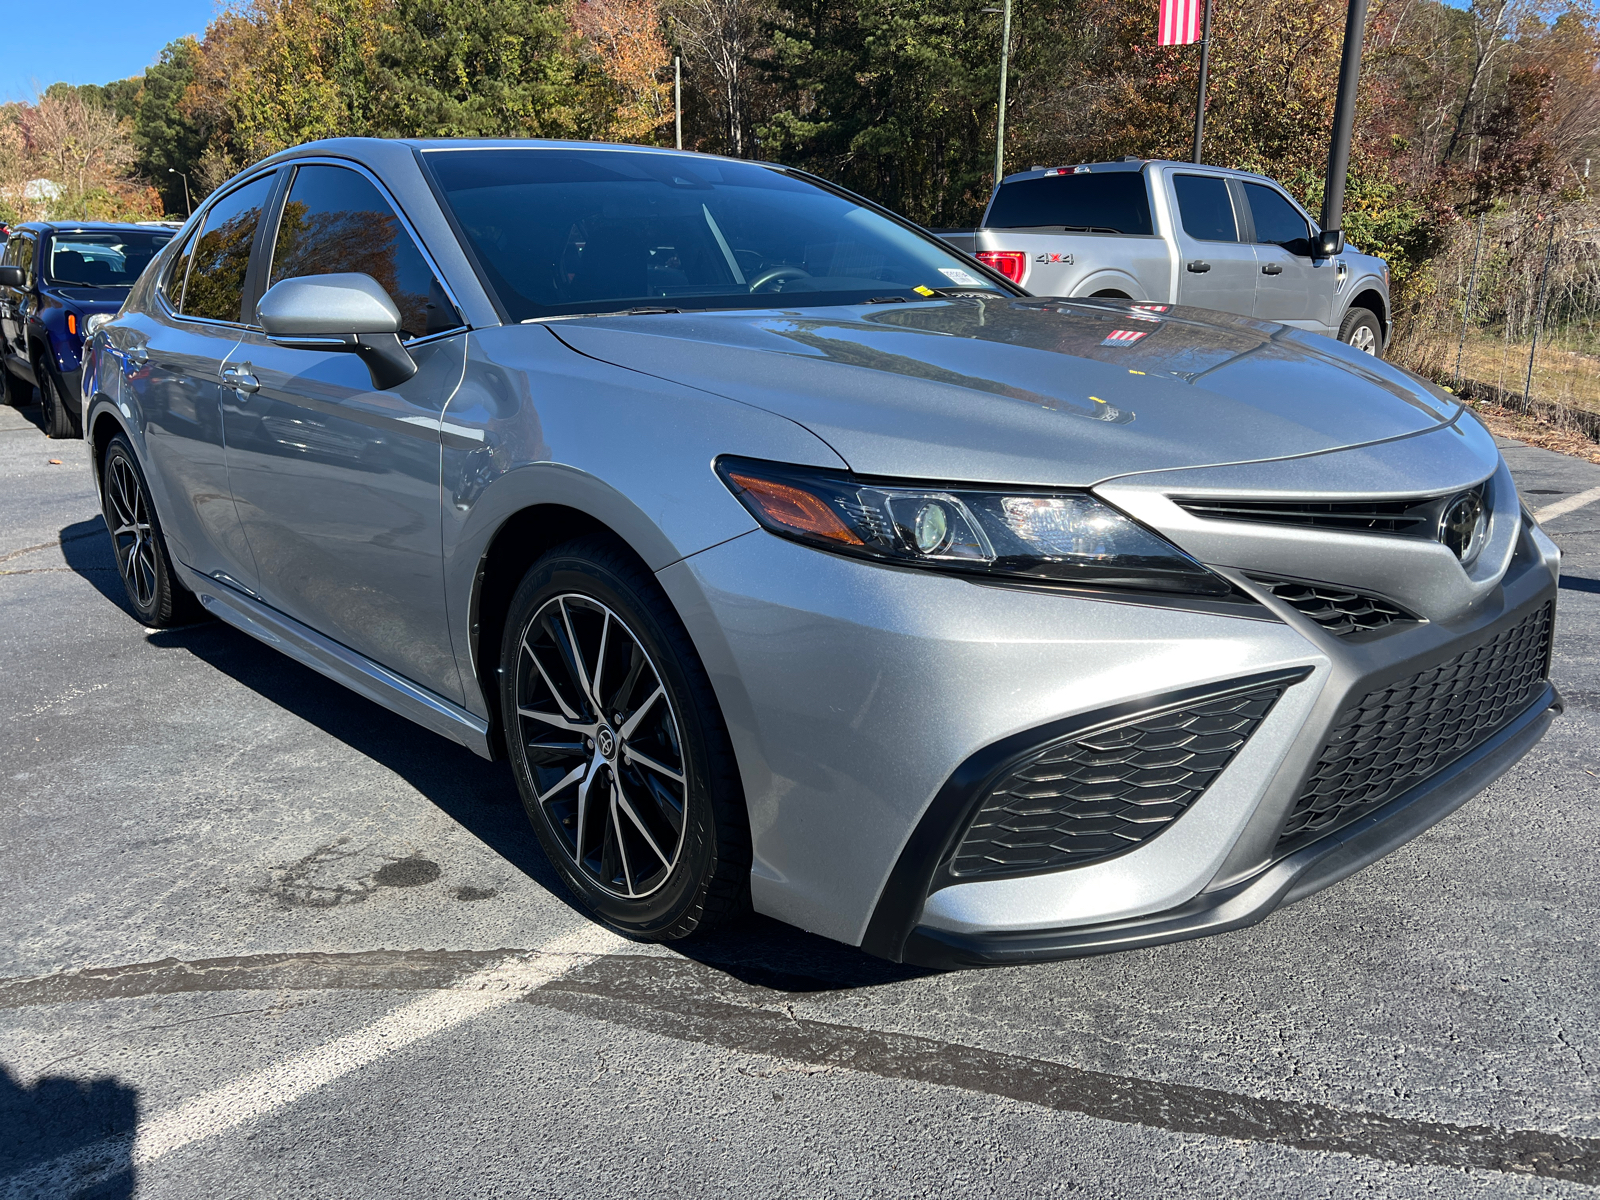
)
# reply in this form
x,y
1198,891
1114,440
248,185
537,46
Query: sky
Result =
x,y
91,41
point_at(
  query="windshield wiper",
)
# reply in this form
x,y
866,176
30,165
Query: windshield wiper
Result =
x,y
640,312
886,300
70,283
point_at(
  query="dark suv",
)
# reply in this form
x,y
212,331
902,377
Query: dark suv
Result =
x,y
58,282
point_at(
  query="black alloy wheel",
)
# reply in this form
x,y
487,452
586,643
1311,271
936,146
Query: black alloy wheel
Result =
x,y
58,422
618,747
158,600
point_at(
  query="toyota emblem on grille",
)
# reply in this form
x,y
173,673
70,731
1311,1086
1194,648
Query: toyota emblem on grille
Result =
x,y
1461,524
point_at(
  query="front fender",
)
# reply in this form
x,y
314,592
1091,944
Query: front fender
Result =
x,y
535,423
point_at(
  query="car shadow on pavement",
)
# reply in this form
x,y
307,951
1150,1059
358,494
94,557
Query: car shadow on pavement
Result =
x,y
86,546
58,1115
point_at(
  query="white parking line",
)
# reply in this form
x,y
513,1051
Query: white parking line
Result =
x,y
276,1087
1561,507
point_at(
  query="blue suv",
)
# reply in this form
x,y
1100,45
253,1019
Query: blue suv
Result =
x,y
60,281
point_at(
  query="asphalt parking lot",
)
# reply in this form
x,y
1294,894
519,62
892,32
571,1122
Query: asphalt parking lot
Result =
x,y
262,937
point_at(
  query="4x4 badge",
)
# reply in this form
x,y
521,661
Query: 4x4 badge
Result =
x,y
1055,258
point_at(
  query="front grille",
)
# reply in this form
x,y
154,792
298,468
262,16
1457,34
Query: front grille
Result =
x,y
1340,611
1094,796
1400,735
1402,518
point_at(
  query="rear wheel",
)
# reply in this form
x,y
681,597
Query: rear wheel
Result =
x,y
158,599
618,746
1361,331
58,422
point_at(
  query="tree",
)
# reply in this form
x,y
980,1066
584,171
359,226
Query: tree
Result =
x,y
166,136
721,41
624,38
81,146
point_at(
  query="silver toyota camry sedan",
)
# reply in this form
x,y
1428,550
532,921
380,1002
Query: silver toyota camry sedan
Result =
x,y
798,563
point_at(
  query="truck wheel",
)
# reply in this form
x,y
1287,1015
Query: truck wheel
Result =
x,y
1360,330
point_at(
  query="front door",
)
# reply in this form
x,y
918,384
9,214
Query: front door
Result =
x,y
1216,270
1294,288
337,483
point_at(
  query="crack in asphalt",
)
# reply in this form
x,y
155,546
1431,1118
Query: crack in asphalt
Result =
x,y
701,1003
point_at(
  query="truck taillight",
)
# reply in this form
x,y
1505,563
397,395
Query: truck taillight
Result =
x,y
1010,263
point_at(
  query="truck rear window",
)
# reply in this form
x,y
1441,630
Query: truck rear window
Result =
x,y
1113,202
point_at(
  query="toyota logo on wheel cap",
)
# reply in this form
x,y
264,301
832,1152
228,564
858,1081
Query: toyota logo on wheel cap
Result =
x,y
607,742
1461,525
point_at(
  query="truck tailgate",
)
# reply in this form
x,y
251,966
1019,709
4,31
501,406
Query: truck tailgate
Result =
x,y
1082,264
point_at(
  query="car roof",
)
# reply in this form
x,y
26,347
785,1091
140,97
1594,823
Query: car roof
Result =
x,y
353,146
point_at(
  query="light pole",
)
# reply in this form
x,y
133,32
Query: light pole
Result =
x,y
188,208
677,97
1000,119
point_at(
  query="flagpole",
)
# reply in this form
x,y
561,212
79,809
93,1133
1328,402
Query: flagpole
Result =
x,y
1205,68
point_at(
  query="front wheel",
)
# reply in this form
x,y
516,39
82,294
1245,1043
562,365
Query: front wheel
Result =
x,y
1360,331
618,746
58,422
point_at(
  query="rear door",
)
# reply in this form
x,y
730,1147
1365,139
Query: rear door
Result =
x,y
337,483
1216,269
1293,288
172,361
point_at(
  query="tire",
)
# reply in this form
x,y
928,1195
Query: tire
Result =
x,y
18,394
1361,330
58,422
158,600
630,785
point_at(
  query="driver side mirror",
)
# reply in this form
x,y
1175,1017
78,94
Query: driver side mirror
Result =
x,y
12,277
339,312
1327,242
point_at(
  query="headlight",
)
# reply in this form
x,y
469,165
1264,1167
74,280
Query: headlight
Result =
x,y
1061,537
94,322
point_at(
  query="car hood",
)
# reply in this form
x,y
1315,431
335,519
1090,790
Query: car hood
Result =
x,y
1015,390
92,299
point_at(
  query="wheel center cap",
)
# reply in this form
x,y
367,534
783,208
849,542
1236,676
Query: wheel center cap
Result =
x,y
606,741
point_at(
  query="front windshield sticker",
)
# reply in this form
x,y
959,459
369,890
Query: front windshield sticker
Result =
x,y
959,277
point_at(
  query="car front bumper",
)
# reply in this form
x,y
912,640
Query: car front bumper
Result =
x,y
859,696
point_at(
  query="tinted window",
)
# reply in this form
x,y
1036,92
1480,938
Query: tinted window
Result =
x,y
1276,219
19,253
335,221
1112,202
1207,212
601,231
222,255
101,259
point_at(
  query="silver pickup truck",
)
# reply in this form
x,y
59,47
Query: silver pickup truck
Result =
x,y
1176,233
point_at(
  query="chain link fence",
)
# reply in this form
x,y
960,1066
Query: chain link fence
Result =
x,y
1510,315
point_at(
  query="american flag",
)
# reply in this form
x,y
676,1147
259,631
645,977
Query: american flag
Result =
x,y
1123,337
1180,22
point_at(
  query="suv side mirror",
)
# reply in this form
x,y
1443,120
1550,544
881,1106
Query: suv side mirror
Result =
x,y
339,312
1327,242
12,277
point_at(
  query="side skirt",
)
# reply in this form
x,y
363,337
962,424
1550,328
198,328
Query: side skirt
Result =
x,y
339,663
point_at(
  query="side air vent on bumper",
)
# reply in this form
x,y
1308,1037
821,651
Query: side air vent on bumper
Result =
x,y
1340,611
1102,793
1399,735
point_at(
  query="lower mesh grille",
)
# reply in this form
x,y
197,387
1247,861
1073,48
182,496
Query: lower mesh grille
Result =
x,y
1399,735
1078,801
1338,610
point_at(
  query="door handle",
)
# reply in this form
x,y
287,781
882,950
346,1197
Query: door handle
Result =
x,y
239,378
1198,267
1272,268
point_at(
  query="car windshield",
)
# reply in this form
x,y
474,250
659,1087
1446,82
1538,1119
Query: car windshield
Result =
x,y
565,231
108,259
